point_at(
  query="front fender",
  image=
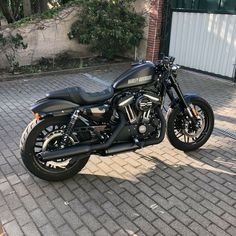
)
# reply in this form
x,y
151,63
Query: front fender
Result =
x,y
53,107
188,97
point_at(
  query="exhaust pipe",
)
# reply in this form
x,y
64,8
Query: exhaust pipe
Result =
x,y
81,149
125,147
108,147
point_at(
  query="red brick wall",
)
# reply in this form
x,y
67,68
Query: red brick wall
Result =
x,y
154,32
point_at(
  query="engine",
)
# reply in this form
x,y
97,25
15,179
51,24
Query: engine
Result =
x,y
143,121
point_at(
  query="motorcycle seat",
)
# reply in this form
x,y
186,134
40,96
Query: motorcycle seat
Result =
x,y
80,96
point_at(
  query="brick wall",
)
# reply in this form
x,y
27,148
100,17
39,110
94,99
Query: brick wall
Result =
x,y
154,32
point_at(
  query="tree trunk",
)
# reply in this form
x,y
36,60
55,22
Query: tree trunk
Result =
x,y
43,5
27,7
6,11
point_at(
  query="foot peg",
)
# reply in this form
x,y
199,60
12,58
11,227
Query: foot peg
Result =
x,y
136,141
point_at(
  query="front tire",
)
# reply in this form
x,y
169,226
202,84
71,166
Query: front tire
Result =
x,y
179,130
44,135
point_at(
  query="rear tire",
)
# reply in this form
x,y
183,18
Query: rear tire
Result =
x,y
174,124
28,143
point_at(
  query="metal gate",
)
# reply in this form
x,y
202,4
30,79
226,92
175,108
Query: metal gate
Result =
x,y
203,41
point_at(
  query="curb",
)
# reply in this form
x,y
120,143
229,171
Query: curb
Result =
x,y
65,71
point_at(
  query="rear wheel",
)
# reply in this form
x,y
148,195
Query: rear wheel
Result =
x,y
46,135
180,132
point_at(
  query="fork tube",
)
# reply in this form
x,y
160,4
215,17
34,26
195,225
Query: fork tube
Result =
x,y
178,91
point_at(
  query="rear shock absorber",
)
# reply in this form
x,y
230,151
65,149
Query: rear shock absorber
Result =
x,y
70,128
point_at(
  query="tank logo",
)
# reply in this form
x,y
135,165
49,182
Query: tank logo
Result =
x,y
139,79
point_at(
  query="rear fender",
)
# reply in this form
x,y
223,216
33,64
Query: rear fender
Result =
x,y
53,107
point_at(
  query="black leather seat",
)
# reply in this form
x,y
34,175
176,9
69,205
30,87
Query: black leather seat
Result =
x,y
80,96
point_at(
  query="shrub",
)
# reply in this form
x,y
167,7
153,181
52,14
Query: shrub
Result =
x,y
9,44
111,27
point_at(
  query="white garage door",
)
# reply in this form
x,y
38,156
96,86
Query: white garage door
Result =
x,y
204,41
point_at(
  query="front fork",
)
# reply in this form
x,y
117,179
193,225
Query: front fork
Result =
x,y
190,110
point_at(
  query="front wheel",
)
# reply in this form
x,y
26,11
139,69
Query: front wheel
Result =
x,y
180,131
46,135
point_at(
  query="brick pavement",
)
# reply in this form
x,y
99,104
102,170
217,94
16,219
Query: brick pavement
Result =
x,y
155,191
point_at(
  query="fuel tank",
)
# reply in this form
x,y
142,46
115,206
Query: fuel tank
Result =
x,y
139,74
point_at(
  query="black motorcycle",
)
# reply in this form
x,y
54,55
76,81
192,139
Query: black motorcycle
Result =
x,y
71,124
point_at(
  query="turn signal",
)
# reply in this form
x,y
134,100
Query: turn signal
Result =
x,y
37,116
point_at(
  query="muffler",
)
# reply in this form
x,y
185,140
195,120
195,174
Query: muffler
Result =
x,y
81,149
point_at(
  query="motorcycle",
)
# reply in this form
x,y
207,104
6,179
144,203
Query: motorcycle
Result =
x,y
71,124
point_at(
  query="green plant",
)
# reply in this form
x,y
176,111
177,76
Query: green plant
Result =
x,y
9,44
111,27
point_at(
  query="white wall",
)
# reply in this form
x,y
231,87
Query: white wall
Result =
x,y
47,38
204,41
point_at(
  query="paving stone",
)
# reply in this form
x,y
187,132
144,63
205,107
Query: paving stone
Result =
x,y
121,232
6,188
55,218
6,214
164,228
30,229
45,204
102,232
65,230
111,210
198,218
91,222
2,200
94,208
48,230
35,190
224,197
72,219
177,193
229,218
143,187
81,195
145,226
61,205
20,189
29,203
127,225
147,213
110,224
22,216
84,231
39,217
232,230
181,228
66,194
179,204
216,220
113,197
50,192
12,228
13,201
192,194
13,179
215,230
185,219
162,191
199,230
231,210
128,211
210,197
77,207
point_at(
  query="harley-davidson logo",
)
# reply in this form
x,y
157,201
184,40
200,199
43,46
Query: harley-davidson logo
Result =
x,y
139,79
